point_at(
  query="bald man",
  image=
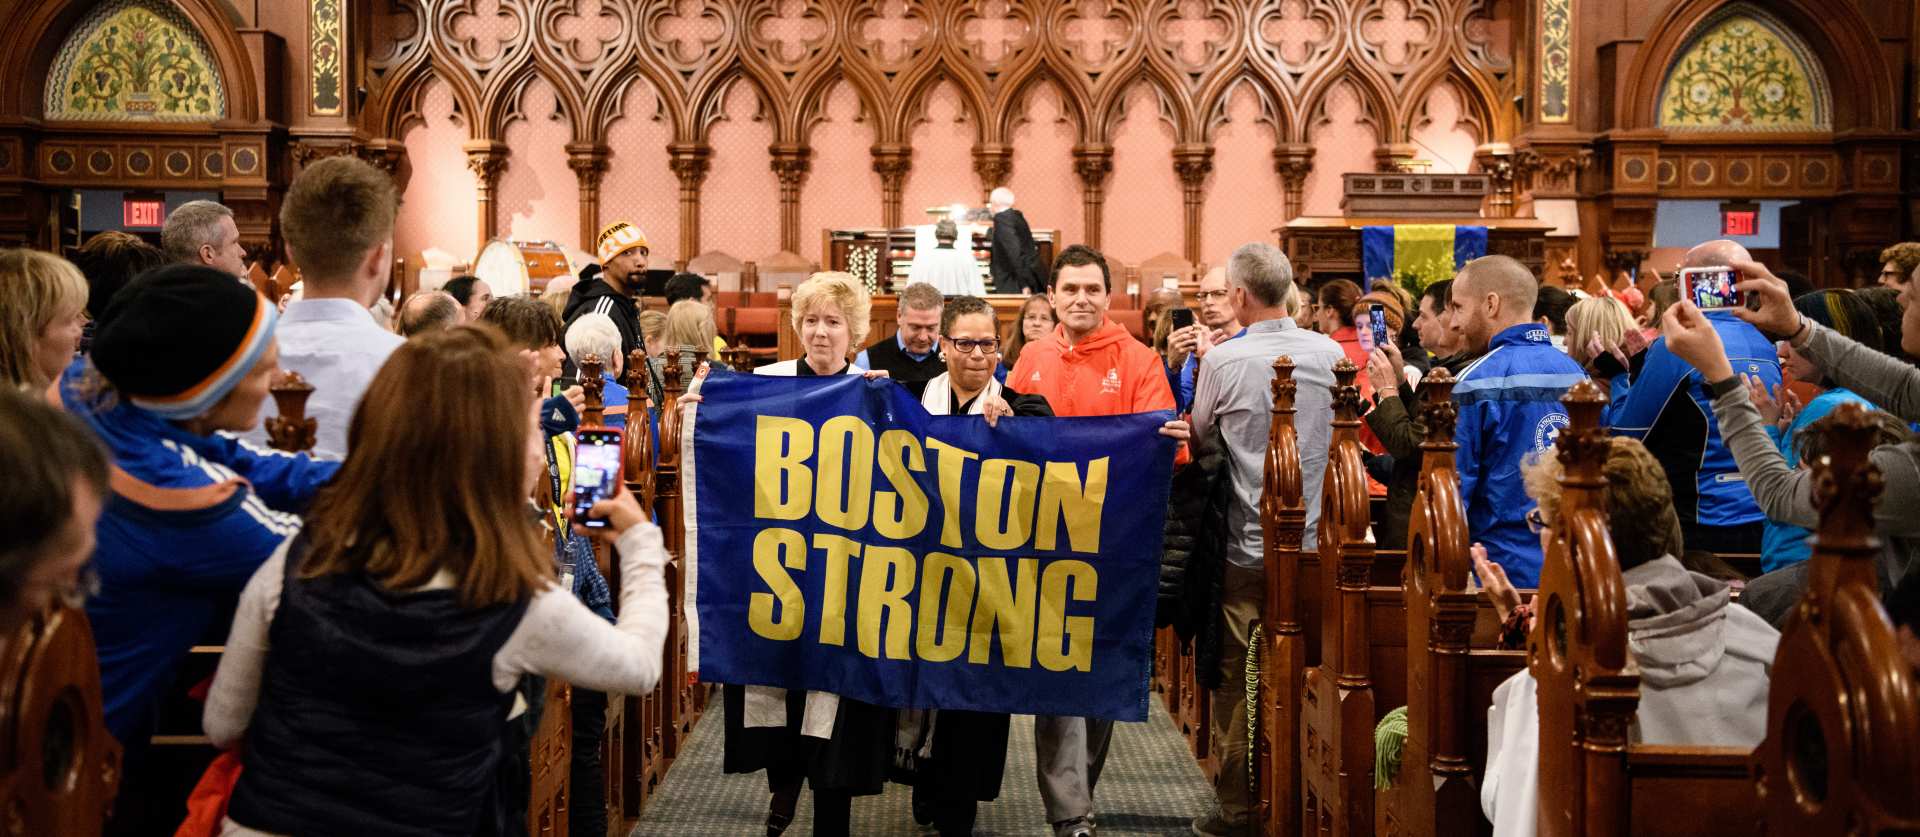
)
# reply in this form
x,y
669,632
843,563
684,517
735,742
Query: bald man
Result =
x,y
1509,402
1015,258
426,311
1670,409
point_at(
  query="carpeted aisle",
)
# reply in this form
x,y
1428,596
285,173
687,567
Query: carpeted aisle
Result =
x,y
1151,786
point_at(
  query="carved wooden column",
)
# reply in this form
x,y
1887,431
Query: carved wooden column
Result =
x,y
892,161
589,163
384,154
1193,162
1497,160
487,159
689,162
993,163
1093,163
790,164
1294,161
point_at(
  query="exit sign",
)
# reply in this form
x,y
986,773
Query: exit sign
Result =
x,y
1739,219
143,212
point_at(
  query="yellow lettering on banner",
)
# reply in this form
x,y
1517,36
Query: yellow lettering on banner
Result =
x,y
1053,607
782,484
886,577
1006,609
772,549
901,513
833,598
991,496
1063,496
953,463
943,630
846,463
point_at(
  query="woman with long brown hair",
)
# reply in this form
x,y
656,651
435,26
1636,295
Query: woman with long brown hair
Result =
x,y
1036,321
385,640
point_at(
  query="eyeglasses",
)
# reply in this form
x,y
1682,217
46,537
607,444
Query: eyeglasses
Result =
x,y
1205,296
967,347
1537,521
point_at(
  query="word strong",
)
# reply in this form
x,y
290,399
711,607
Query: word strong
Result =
x,y
992,560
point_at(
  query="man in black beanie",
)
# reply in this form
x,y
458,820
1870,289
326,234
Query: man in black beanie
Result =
x,y
181,358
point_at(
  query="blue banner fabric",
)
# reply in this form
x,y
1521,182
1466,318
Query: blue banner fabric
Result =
x,y
841,539
1469,243
1378,247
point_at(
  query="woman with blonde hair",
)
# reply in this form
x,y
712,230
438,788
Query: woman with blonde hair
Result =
x,y
831,313
689,326
1597,325
387,637
43,310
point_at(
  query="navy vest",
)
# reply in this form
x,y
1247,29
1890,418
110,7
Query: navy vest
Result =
x,y
377,712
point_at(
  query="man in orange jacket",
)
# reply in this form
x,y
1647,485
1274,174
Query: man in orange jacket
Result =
x,y
1088,366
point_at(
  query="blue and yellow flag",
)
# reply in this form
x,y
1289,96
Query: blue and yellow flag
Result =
x,y
840,539
1417,255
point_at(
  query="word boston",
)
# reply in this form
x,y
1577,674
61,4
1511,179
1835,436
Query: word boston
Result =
x,y
840,539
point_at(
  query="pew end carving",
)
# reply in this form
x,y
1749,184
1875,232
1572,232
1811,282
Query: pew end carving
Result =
x,y
59,767
1287,649
290,429
594,388
1842,748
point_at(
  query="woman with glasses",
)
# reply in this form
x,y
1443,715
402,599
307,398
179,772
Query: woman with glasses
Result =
x,y
958,756
1705,662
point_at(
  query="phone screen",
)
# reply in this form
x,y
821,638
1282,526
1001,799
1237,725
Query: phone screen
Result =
x,y
1377,322
1710,288
596,472
1182,317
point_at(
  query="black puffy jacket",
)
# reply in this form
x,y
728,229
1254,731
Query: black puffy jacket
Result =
x,y
1193,560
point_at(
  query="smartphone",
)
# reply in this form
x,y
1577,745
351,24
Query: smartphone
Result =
x,y
1377,322
1182,317
1710,288
561,385
596,471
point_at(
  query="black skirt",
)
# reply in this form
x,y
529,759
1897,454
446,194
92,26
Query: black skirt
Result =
x,y
855,759
968,758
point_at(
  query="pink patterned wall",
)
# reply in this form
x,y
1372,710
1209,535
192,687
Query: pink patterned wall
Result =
x,y
1145,214
639,187
438,209
1244,199
538,196
740,202
842,189
942,170
1444,138
1044,186
1343,141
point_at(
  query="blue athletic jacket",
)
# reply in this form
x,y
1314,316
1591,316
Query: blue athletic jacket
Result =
x,y
187,521
1668,408
1509,404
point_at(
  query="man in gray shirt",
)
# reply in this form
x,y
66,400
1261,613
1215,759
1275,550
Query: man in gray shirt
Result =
x,y
1234,395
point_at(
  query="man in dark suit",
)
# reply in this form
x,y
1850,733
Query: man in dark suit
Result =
x,y
1014,255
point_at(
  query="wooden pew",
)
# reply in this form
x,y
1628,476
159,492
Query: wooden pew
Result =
x,y
1842,752
59,767
1337,699
1451,668
1287,649
644,738
1595,781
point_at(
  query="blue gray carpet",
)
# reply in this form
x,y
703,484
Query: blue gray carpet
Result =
x,y
1151,786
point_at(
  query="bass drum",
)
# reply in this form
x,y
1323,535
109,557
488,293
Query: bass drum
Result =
x,y
517,267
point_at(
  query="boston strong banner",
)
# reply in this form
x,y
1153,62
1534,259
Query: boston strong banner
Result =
x,y
840,539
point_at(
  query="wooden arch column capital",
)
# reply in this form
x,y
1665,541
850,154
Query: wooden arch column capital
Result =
x,y
790,162
1193,162
892,161
487,159
1294,161
993,163
1094,163
589,163
690,161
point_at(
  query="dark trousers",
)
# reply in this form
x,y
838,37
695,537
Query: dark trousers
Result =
x,y
950,816
832,809
588,815
1723,540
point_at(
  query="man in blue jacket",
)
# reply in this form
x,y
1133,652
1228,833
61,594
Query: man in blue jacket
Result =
x,y
1668,407
1509,403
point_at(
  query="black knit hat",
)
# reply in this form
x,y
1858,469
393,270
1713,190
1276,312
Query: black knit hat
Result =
x,y
177,340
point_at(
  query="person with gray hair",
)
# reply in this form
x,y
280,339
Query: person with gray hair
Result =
x,y
203,232
595,334
950,269
1232,406
1014,261
1509,407
426,311
913,353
